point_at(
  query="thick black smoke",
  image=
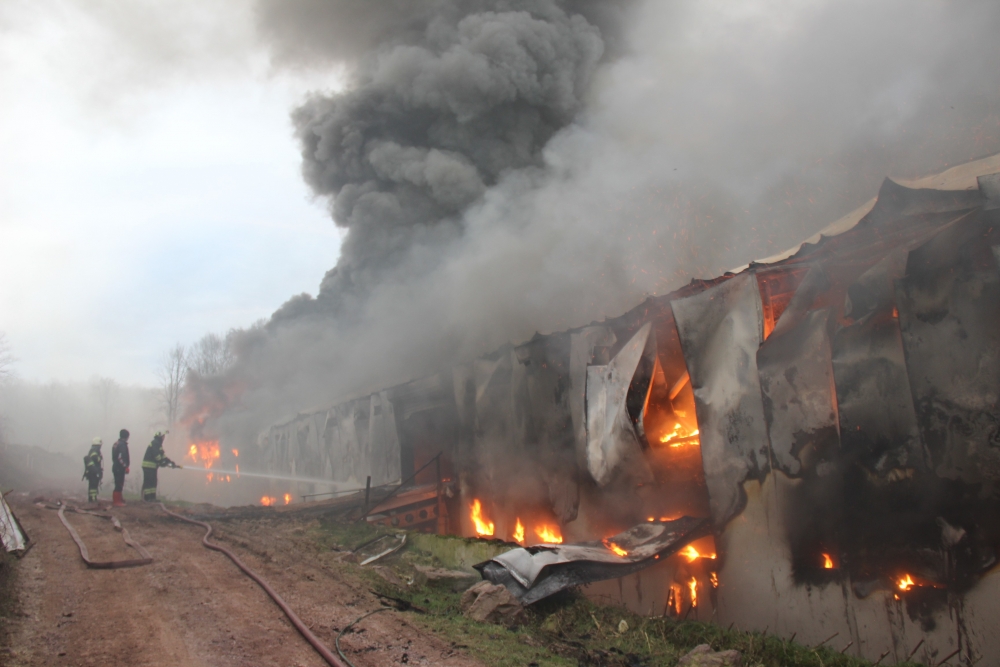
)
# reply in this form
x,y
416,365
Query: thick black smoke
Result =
x,y
508,167
445,99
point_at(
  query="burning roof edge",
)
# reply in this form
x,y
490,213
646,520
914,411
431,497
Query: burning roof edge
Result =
x,y
962,177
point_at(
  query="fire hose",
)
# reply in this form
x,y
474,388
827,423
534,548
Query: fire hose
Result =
x,y
326,654
108,564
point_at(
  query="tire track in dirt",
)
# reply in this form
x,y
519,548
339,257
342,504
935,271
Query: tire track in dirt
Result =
x,y
192,606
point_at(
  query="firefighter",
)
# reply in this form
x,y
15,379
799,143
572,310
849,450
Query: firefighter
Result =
x,y
93,469
119,466
151,462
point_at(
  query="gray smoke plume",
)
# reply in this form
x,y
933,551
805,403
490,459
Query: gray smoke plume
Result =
x,y
507,167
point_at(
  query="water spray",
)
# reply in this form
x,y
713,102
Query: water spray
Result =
x,y
261,475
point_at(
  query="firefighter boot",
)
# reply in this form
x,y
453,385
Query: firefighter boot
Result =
x,y
117,499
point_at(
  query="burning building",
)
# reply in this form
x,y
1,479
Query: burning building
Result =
x,y
832,412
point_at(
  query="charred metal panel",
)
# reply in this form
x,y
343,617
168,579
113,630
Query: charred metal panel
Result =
x,y
878,425
550,448
989,186
384,439
796,382
720,331
950,323
612,443
499,426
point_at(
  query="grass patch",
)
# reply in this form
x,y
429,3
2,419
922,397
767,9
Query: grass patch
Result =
x,y
567,629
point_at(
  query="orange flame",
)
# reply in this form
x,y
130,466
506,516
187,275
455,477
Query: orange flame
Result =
x,y
618,551
692,554
483,527
674,598
684,436
288,498
693,587
519,531
207,452
713,578
210,476
906,583
236,452
827,562
549,534
267,501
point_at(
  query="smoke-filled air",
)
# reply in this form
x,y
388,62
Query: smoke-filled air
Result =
x,y
509,167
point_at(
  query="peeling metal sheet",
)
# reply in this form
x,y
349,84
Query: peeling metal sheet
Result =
x,y
581,354
10,531
720,331
612,443
534,573
796,382
950,323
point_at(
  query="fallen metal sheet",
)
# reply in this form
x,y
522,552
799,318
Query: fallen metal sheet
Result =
x,y
534,573
796,381
720,331
612,443
14,539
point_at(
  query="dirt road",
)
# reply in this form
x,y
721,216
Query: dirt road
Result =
x,y
192,606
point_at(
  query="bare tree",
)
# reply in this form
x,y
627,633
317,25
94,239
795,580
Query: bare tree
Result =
x,y
212,355
6,358
106,390
172,371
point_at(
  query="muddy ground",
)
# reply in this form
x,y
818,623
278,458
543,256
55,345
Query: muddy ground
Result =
x,y
192,606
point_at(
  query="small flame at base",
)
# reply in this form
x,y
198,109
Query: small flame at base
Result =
x,y
549,534
288,498
693,587
483,527
267,501
519,531
906,583
827,562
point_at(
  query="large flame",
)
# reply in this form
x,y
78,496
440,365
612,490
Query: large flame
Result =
x,y
207,452
692,554
519,531
618,551
906,583
549,534
484,528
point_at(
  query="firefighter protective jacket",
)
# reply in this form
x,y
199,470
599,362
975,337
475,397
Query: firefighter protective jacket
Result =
x,y
93,463
155,458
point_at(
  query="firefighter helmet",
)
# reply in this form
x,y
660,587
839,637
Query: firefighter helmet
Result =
x,y
97,441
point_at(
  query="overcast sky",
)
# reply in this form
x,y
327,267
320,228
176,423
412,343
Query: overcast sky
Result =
x,y
148,183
